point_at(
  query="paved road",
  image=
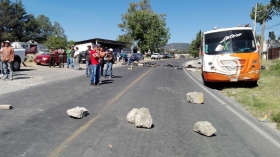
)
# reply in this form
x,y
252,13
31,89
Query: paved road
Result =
x,y
39,126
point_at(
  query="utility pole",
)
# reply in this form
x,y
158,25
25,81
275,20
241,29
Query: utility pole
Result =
x,y
256,8
263,28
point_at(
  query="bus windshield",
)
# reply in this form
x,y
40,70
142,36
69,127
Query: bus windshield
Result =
x,y
230,41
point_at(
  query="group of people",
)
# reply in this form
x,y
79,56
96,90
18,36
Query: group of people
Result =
x,y
6,61
72,57
95,62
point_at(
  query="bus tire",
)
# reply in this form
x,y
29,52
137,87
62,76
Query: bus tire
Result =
x,y
252,84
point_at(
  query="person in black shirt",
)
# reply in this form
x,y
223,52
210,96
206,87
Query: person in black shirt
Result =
x,y
109,63
87,58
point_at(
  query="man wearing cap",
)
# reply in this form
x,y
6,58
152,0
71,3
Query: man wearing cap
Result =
x,y
51,62
95,68
109,63
87,58
7,54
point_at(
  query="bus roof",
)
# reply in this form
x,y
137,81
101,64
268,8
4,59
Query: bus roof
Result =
x,y
226,29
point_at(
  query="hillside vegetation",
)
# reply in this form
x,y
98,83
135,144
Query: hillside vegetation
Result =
x,y
177,46
265,98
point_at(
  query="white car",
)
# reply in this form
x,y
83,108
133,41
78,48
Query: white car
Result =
x,y
155,56
199,61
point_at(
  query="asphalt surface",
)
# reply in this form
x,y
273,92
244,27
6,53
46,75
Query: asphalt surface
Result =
x,y
38,125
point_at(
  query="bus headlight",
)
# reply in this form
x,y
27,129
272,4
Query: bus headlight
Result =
x,y
210,63
212,67
254,61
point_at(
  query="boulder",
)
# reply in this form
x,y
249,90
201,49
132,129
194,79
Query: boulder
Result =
x,y
153,66
143,119
130,68
195,97
140,64
204,128
131,115
77,112
5,107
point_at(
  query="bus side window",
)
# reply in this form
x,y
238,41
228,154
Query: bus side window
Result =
x,y
206,48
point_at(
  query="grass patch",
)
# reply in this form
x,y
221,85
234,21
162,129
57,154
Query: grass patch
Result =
x,y
265,98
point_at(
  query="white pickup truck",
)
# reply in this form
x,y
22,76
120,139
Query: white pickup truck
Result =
x,y
19,58
155,56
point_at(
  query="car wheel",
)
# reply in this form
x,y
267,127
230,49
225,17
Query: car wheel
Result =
x,y
16,64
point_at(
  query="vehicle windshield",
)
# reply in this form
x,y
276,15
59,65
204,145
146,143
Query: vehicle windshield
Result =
x,y
232,41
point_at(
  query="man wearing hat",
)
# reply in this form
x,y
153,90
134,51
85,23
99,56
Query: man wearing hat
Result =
x,y
7,54
52,62
109,63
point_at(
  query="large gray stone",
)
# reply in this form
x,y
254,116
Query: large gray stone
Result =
x,y
195,97
204,128
77,112
131,115
143,119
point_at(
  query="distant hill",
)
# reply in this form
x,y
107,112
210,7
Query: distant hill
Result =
x,y
177,46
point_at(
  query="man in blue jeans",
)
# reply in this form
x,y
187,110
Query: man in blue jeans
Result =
x,y
109,63
1,64
95,67
87,58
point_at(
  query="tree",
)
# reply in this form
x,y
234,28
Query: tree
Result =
x,y
31,29
144,27
271,35
57,39
264,13
6,25
45,28
195,45
276,6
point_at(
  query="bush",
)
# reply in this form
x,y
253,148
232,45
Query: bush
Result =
x,y
276,118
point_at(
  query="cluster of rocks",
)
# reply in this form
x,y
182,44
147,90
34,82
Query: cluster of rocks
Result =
x,y
202,127
140,117
77,112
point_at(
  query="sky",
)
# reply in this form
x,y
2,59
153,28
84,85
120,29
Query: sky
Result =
x,y
88,19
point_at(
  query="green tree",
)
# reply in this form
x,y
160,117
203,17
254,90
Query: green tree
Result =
x,y
276,6
31,29
6,25
146,28
57,39
271,35
45,28
195,45
264,13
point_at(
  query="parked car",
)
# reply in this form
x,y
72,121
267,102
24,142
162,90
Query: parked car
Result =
x,y
182,56
45,58
199,61
140,56
167,56
134,57
82,58
155,56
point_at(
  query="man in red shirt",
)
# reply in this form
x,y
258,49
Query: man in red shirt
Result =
x,y
95,67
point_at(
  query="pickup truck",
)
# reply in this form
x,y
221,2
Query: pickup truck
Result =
x,y
18,59
155,56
